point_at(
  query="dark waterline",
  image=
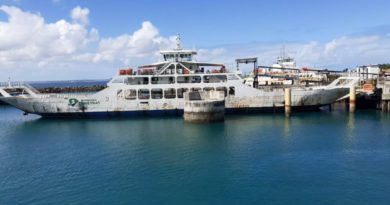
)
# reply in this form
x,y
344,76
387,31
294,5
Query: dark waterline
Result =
x,y
311,158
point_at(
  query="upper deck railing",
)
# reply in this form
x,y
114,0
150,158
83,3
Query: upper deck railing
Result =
x,y
12,84
18,85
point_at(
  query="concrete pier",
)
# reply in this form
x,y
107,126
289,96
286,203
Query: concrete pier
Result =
x,y
287,102
352,99
204,106
385,103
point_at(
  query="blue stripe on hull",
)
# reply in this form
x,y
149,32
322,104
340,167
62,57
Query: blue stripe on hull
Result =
x,y
175,112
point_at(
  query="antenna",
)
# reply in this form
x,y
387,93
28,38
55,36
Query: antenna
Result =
x,y
283,52
178,43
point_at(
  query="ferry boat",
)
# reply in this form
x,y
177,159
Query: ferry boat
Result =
x,y
157,89
285,72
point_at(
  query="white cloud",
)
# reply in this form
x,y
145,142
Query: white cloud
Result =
x,y
143,43
80,15
26,37
29,44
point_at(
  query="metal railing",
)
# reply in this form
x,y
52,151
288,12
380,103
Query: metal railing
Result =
x,y
12,84
18,85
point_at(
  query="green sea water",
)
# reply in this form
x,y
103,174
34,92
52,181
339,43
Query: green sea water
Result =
x,y
310,158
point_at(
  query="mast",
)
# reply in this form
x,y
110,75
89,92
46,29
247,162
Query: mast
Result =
x,y
178,43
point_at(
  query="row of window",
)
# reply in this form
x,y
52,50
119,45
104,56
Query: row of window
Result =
x,y
170,93
170,79
172,56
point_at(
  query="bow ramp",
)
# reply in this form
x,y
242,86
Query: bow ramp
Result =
x,y
12,89
344,82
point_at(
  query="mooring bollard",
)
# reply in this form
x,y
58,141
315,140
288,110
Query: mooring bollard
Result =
x,y
352,99
287,102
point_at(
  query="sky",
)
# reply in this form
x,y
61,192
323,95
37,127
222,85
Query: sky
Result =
x,y
92,39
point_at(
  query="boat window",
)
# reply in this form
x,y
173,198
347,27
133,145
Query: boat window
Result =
x,y
170,93
137,80
143,94
196,89
189,79
222,89
180,92
119,93
208,88
157,93
181,70
167,71
163,80
214,78
131,94
232,91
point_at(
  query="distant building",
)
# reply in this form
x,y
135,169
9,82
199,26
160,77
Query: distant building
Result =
x,y
385,70
367,71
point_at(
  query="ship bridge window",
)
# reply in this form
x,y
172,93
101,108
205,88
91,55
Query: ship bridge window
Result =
x,y
163,80
137,80
224,89
157,93
189,79
180,92
170,93
143,94
214,78
131,94
232,91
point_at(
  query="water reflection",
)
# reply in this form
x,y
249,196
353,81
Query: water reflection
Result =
x,y
286,127
350,124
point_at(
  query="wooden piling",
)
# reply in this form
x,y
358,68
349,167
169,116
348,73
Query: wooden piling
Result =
x,y
352,99
287,102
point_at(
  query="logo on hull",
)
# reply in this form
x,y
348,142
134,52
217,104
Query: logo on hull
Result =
x,y
72,102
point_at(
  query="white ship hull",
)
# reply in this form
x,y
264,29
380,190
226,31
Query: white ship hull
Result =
x,y
113,102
